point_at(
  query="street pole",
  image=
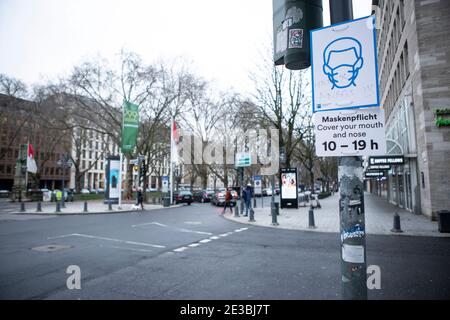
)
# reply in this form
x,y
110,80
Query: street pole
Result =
x,y
351,202
120,180
242,187
138,183
171,161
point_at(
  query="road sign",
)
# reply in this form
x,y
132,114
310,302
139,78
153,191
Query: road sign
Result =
x,y
350,133
344,66
258,185
243,159
134,161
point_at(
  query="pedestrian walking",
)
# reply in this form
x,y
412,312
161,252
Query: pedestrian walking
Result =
x,y
248,195
228,198
140,199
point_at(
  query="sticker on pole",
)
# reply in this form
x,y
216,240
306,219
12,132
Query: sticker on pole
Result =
x,y
344,66
350,133
258,185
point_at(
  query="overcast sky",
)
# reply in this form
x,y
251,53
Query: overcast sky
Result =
x,y
43,39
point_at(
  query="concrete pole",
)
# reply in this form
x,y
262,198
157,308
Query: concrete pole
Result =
x,y
63,205
351,202
120,180
242,187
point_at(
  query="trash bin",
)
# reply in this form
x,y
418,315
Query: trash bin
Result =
x,y
444,221
166,202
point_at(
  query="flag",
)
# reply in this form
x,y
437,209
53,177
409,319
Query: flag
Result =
x,y
130,126
174,142
31,163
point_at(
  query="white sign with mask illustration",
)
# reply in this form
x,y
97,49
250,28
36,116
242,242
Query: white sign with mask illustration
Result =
x,y
344,66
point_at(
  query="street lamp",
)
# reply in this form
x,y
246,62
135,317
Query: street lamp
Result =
x,y
64,162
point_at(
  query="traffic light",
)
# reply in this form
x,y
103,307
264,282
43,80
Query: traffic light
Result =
x,y
292,21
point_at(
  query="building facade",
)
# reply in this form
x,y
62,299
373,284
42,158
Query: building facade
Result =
x,y
20,125
414,74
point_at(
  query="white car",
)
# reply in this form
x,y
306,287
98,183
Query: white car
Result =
x,y
84,191
267,191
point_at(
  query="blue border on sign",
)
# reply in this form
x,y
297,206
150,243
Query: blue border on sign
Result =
x,y
376,65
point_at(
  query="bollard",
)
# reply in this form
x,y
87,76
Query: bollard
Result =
x,y
254,202
58,206
236,210
397,228
39,207
252,215
22,207
311,223
85,209
274,209
110,206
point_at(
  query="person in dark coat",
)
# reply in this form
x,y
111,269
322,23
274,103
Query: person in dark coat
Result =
x,y
140,198
247,195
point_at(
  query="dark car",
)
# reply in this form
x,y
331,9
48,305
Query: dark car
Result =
x,y
203,196
183,196
218,197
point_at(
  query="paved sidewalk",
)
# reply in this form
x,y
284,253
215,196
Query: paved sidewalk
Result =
x,y
74,208
379,218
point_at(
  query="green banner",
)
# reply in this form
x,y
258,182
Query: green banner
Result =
x,y
130,126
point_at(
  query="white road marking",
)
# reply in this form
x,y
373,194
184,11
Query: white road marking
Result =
x,y
205,241
192,222
163,225
127,248
223,235
180,249
194,245
107,239
198,232
146,224
214,238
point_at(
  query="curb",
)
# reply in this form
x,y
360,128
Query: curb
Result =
x,y
34,213
306,229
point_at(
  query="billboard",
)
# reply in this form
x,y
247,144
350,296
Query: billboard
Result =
x,y
112,193
289,191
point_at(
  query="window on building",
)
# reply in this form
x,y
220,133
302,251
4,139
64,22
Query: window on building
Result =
x,y
406,55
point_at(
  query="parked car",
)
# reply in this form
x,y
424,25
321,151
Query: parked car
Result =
x,y
267,192
4,193
84,191
203,196
183,196
218,197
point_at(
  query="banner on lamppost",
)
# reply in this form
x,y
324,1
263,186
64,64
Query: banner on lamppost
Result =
x,y
130,126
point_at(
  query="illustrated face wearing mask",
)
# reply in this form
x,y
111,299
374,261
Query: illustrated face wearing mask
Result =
x,y
342,62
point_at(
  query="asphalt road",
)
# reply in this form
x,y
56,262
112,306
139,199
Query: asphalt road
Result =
x,y
192,252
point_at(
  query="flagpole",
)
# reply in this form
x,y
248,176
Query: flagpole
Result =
x,y
171,160
26,173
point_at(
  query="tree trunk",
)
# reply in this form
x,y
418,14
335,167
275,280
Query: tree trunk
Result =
x,y
129,183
